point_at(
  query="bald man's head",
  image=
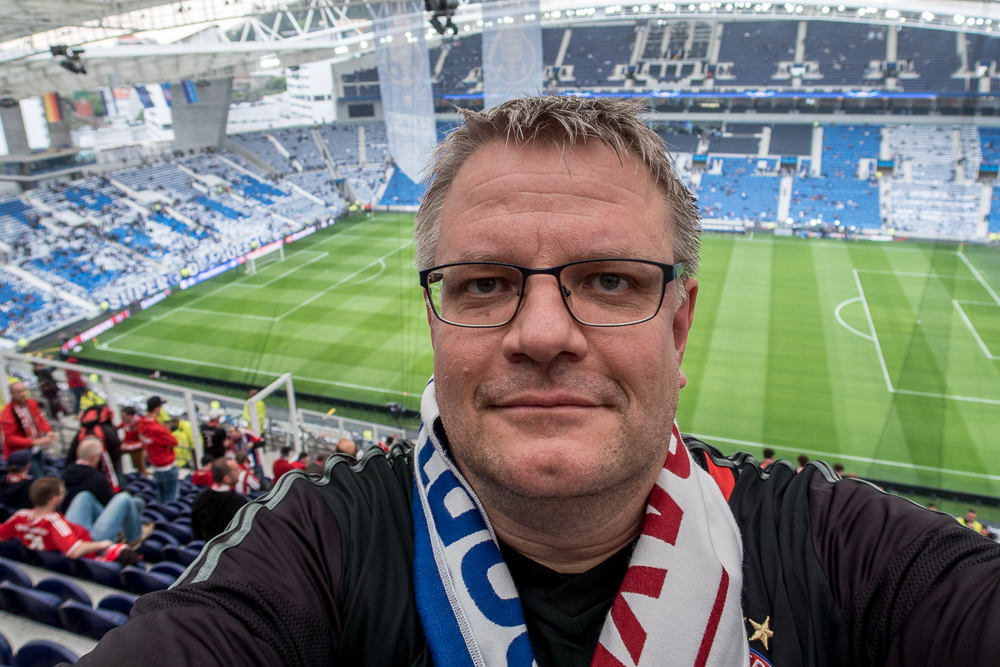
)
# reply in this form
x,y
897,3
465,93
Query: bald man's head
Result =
x,y
90,450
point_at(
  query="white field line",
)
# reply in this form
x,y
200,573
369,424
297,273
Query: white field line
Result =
x,y
975,334
871,325
289,272
227,367
836,313
912,274
861,459
982,282
976,303
237,282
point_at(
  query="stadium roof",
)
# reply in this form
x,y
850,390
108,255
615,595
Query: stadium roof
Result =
x,y
29,17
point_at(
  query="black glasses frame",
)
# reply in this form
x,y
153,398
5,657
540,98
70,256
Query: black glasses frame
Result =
x,y
670,272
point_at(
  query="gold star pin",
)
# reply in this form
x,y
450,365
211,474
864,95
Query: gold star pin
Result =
x,y
761,631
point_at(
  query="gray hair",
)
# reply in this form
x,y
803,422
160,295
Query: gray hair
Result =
x,y
560,121
89,447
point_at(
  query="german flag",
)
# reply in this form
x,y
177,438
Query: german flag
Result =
x,y
51,102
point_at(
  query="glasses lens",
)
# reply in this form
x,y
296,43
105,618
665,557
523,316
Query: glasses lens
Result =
x,y
475,294
609,292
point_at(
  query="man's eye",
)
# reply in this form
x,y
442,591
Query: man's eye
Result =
x,y
610,282
484,286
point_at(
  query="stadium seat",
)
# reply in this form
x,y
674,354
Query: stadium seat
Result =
x,y
169,512
54,561
12,550
164,538
169,569
36,605
85,620
43,653
150,551
181,555
99,571
196,545
6,652
9,571
120,602
66,590
153,516
181,533
138,581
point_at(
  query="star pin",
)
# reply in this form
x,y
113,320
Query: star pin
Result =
x,y
762,631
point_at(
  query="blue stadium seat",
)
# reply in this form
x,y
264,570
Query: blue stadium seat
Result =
x,y
85,620
150,550
164,538
12,550
181,533
120,602
6,652
9,571
181,555
169,569
153,516
66,590
36,605
55,561
99,571
197,545
169,512
43,653
138,581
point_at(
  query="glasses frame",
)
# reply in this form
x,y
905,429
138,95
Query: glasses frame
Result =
x,y
671,272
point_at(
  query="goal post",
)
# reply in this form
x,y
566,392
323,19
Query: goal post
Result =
x,y
258,253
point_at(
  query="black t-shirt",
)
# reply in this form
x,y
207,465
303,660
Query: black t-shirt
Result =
x,y
565,613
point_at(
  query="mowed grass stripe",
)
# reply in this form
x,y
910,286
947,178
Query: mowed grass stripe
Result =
x,y
798,377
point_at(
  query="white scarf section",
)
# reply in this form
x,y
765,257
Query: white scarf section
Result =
x,y
679,603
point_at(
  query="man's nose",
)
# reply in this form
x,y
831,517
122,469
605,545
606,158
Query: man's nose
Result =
x,y
544,327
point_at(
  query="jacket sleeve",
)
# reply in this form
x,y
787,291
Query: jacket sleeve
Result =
x,y
915,588
262,593
11,433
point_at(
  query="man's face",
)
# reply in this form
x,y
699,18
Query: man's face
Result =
x,y
970,516
234,473
545,407
18,393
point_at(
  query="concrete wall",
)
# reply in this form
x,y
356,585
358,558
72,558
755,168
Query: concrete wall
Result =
x,y
13,129
204,123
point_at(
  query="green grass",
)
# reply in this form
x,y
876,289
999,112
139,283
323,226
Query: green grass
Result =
x,y
768,361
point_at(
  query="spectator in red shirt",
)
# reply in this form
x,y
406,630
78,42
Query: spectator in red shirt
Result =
x,y
77,385
130,439
203,475
24,427
45,529
283,465
768,458
159,445
246,480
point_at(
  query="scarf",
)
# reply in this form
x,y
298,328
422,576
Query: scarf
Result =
x,y
679,603
28,428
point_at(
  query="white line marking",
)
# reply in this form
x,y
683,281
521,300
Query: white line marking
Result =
x,y
976,303
975,333
255,370
951,397
871,325
185,309
982,282
836,313
860,459
911,274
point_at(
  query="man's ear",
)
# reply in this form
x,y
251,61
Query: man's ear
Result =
x,y
683,319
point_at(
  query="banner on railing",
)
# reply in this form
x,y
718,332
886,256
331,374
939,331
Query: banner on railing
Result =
x,y
404,77
210,273
190,94
512,50
95,331
153,300
301,234
269,248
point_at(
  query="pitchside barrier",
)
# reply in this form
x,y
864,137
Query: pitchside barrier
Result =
x,y
292,426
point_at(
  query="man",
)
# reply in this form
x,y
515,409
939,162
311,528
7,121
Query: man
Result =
x,y
25,427
260,412
49,388
213,435
159,443
969,521
77,385
16,484
243,440
203,475
281,464
184,451
768,458
550,512
246,480
92,503
43,528
215,507
98,421
130,439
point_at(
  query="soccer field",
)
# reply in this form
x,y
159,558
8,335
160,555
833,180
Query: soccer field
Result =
x,y
882,356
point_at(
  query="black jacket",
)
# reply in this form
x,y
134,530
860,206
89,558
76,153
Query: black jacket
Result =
x,y
15,494
212,511
78,478
319,572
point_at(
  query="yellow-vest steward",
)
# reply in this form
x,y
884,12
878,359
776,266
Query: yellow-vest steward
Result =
x,y
261,413
184,449
89,400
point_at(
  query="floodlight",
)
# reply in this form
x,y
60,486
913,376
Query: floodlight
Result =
x,y
927,16
58,50
73,63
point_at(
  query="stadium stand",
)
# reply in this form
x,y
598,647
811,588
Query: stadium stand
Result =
x,y
838,200
401,191
262,147
755,48
739,192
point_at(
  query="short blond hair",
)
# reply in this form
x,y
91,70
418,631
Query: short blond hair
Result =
x,y
560,121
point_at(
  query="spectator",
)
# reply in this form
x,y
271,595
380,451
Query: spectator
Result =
x,y
260,410
130,439
839,469
24,427
247,481
43,528
281,465
318,466
76,385
16,483
159,444
768,458
969,521
243,440
92,503
215,507
932,507
97,420
49,388
803,460
90,398
203,475
213,435
184,451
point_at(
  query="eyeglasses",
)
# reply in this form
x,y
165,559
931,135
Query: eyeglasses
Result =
x,y
597,292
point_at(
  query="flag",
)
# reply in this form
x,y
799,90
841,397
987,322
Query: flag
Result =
x,y
512,50
51,103
147,101
190,94
167,93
